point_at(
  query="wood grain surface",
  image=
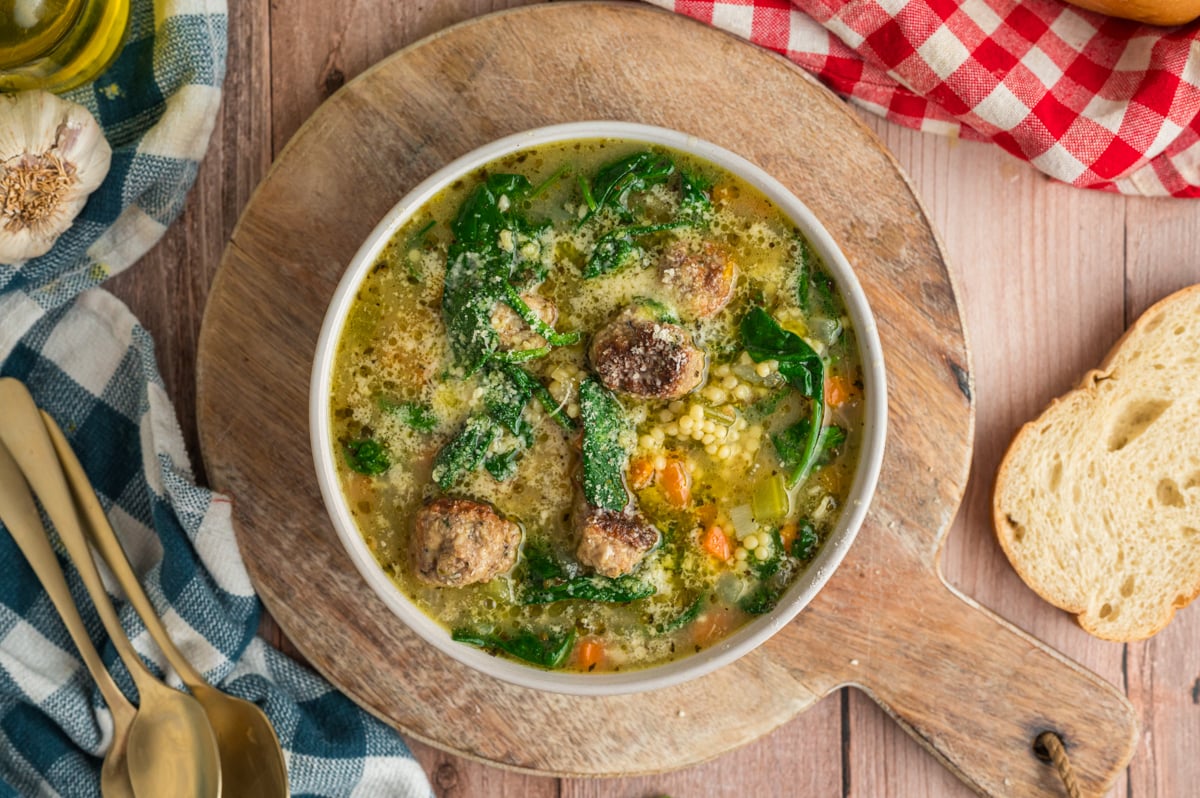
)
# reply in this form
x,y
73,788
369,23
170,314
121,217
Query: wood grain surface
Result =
x,y
968,687
1047,278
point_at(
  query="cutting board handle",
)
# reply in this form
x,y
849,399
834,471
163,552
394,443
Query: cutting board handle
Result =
x,y
977,692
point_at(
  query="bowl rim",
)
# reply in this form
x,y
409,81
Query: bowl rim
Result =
x,y
752,634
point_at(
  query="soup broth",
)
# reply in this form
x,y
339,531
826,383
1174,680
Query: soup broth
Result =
x,y
596,406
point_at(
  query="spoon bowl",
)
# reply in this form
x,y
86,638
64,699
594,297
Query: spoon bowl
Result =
x,y
172,749
164,727
251,758
20,516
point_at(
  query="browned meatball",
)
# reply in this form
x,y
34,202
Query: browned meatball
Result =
x,y
699,278
639,356
612,542
457,542
513,331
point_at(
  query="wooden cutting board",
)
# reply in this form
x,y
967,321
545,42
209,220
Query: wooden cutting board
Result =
x,y
971,688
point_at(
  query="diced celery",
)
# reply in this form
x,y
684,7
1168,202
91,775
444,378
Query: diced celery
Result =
x,y
827,331
730,587
742,518
499,589
769,501
724,419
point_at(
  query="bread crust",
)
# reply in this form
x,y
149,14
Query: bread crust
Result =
x,y
1082,400
1152,12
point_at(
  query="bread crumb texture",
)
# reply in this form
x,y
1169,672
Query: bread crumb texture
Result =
x,y
1097,501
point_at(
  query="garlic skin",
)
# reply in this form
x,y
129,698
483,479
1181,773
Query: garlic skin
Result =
x,y
53,154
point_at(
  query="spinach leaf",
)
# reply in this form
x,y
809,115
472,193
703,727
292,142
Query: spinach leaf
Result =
x,y
464,452
559,173
367,456
661,312
805,544
418,238
534,387
832,437
604,456
503,466
416,241
614,249
505,396
481,217
615,181
682,619
812,283
539,565
412,414
527,314
694,202
545,580
761,600
507,390
480,273
792,444
589,199
541,648
768,404
619,590
521,355
764,569
612,187
474,283
764,339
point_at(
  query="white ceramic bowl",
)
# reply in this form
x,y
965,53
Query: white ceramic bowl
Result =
x,y
747,637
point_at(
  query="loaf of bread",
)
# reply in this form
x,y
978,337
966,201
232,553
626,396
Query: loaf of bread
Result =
x,y
1097,501
1153,12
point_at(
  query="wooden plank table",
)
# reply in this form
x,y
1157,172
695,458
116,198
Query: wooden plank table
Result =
x,y
1047,275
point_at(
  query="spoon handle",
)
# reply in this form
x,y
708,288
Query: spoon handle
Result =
x,y
21,430
104,539
20,515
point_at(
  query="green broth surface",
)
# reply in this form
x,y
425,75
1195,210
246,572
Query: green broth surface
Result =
x,y
399,384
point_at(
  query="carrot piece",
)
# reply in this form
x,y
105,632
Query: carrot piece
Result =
x,y
716,543
838,391
711,626
676,483
787,534
588,653
641,473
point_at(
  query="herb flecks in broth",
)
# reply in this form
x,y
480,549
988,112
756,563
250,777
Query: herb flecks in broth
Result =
x,y
627,355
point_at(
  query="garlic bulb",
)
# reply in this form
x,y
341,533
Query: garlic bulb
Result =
x,y
52,156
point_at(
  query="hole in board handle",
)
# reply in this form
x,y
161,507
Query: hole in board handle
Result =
x,y
1041,745
1050,748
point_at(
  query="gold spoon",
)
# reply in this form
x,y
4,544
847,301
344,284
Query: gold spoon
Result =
x,y
251,757
172,750
19,514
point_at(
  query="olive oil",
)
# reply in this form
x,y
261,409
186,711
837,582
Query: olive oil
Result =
x,y
31,28
58,44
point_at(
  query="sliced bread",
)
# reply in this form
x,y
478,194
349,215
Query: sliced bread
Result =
x,y
1097,501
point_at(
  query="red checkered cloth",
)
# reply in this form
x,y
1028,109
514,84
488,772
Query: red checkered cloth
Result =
x,y
1090,100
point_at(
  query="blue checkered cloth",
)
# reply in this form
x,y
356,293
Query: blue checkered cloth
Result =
x,y
91,365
